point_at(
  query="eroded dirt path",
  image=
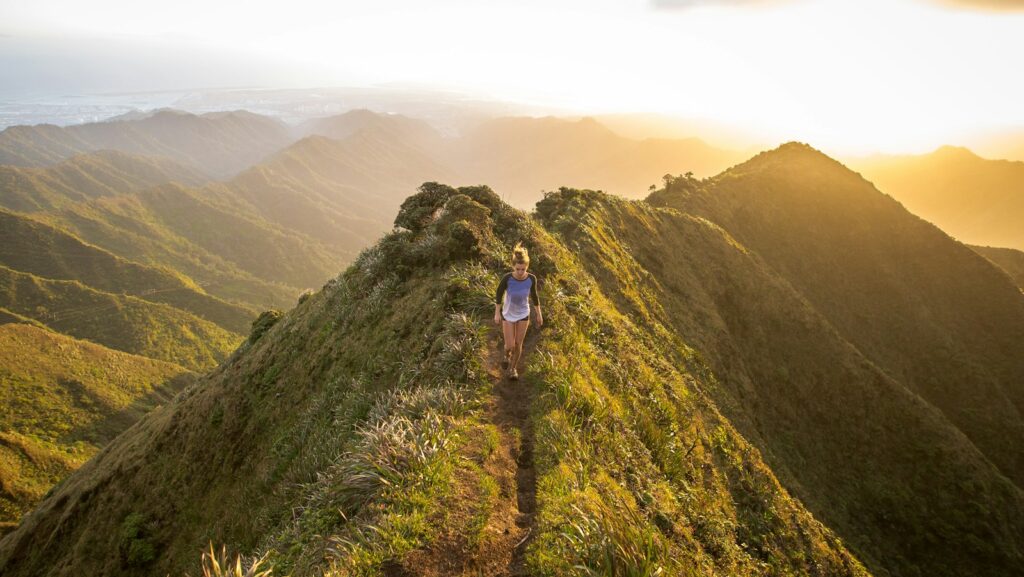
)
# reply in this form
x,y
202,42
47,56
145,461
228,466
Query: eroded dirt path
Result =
x,y
510,411
508,529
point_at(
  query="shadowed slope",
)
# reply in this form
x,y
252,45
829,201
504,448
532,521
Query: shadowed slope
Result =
x,y
1008,259
873,461
936,316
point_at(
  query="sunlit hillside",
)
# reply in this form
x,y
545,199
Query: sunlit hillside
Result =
x,y
974,199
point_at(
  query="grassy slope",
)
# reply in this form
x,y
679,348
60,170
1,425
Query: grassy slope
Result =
x,y
91,197
928,310
61,399
1008,259
125,323
85,176
34,247
893,477
976,200
356,439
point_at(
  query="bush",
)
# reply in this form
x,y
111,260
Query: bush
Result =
x,y
419,209
263,323
136,548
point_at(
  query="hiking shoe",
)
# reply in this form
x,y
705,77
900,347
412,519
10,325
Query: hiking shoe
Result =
x,y
513,374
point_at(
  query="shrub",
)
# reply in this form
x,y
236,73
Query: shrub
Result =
x,y
263,323
136,548
419,209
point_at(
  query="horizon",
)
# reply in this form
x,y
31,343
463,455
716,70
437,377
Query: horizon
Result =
x,y
852,80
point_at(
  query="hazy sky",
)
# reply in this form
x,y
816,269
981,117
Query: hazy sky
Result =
x,y
848,74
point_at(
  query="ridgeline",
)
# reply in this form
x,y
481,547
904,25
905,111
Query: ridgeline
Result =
x,y
696,404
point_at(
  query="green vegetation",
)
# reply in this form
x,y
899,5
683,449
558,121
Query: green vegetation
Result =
x,y
136,548
62,399
33,247
211,235
124,323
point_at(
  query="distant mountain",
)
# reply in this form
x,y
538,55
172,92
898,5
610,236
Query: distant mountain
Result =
x,y
57,409
639,126
218,143
977,201
411,131
37,248
339,192
1008,259
520,157
87,176
121,322
207,234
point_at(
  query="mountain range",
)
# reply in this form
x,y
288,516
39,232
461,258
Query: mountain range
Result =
x,y
766,364
778,369
975,200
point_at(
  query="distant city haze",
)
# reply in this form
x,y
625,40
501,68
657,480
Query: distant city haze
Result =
x,y
900,76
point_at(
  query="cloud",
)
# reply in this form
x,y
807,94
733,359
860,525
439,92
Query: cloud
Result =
x,y
682,4
983,5
977,5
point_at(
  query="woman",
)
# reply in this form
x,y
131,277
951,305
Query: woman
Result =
x,y
520,290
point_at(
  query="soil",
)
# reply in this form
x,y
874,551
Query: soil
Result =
x,y
501,552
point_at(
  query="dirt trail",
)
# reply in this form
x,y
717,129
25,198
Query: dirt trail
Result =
x,y
508,529
510,411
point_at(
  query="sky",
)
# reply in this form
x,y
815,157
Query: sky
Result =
x,y
857,76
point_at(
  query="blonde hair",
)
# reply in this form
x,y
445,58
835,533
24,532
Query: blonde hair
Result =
x,y
520,254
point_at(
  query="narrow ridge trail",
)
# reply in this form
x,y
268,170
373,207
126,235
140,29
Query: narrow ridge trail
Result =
x,y
510,412
508,529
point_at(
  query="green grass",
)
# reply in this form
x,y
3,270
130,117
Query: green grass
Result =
x,y
61,400
120,322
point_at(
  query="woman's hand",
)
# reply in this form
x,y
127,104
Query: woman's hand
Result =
x,y
539,320
497,319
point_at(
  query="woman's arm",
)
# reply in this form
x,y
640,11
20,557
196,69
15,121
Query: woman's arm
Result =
x,y
498,294
535,297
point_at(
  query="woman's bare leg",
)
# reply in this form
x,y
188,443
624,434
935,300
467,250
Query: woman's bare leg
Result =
x,y
520,336
509,330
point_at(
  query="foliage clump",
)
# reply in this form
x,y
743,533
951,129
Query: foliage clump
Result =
x,y
263,323
137,549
